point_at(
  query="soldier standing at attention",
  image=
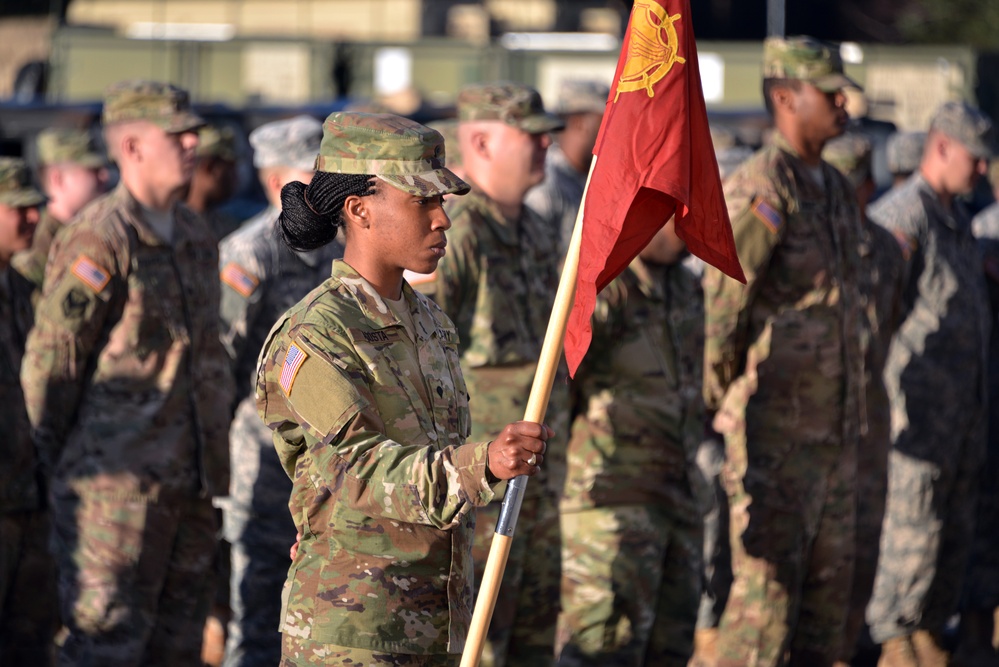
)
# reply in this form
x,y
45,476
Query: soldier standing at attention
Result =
x,y
556,199
783,368
73,172
128,392
634,497
215,179
936,379
261,279
361,384
497,283
28,610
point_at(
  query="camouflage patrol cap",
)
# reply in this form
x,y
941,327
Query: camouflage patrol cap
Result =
x,y
850,153
904,151
162,104
805,59
966,124
397,150
515,104
62,145
582,97
16,189
217,142
292,142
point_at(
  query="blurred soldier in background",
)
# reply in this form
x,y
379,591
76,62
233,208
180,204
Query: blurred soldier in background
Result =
x,y
882,289
449,130
261,279
215,178
73,172
28,610
784,372
557,199
634,495
981,591
904,151
497,283
128,392
936,381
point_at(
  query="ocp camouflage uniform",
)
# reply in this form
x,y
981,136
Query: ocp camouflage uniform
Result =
x,y
384,485
936,384
128,392
31,262
497,282
634,494
28,617
784,358
261,278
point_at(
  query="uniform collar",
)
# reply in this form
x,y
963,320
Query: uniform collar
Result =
x,y
373,306
185,221
649,278
505,229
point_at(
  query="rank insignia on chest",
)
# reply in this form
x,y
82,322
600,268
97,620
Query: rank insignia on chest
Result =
x,y
293,361
90,273
767,214
239,279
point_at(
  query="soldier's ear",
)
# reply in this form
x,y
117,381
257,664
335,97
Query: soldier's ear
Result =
x,y
355,211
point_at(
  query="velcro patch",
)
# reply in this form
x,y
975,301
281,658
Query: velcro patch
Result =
x,y
380,336
239,279
767,214
90,273
293,361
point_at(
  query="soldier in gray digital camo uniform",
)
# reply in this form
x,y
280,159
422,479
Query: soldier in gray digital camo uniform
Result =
x,y
128,392
28,611
497,283
904,152
261,278
634,495
936,380
556,199
361,385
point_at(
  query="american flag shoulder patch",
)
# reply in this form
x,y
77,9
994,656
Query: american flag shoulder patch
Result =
x,y
767,214
293,361
238,278
90,273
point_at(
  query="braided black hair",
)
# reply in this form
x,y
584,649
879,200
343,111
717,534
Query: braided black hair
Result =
x,y
311,214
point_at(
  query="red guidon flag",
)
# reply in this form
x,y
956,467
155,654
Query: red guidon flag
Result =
x,y
654,159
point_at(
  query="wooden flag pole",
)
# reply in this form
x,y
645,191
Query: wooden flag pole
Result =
x,y
537,405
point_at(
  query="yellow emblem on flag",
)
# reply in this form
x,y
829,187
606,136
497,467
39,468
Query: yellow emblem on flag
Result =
x,y
652,50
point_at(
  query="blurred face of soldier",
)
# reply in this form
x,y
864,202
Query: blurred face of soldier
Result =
x,y
17,228
73,186
161,161
960,170
665,248
818,116
518,156
217,178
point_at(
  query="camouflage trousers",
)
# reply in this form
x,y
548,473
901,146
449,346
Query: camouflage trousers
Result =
x,y
522,632
928,531
135,578
631,586
872,489
298,652
29,612
259,563
716,577
793,512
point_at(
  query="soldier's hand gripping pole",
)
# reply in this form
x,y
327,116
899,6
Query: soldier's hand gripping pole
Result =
x,y
537,405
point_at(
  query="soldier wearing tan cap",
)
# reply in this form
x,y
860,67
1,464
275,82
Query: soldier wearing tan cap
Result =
x,y
28,610
783,370
129,395
497,283
73,172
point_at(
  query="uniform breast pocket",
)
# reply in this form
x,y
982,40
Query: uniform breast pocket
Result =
x,y
152,319
453,379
